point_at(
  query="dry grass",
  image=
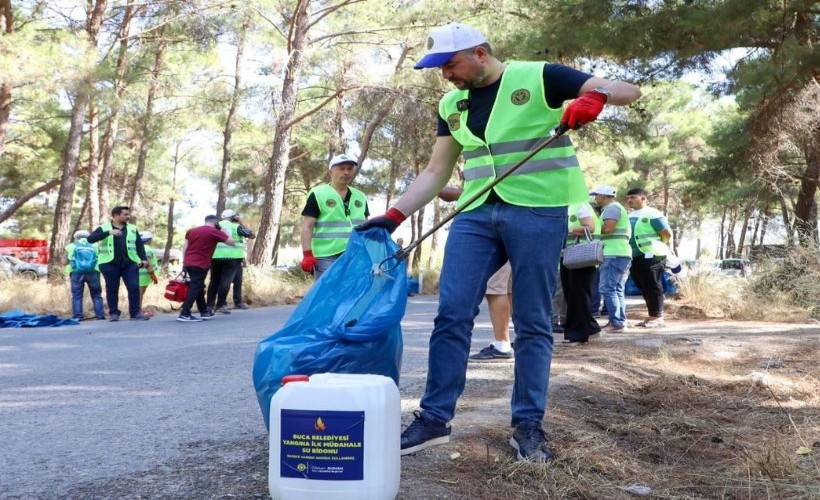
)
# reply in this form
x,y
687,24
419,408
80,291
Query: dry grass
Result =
x,y
261,287
669,421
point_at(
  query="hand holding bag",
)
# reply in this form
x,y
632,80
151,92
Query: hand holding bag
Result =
x,y
584,254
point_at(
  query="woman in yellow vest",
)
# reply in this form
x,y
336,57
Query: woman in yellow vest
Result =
x,y
579,325
330,213
147,276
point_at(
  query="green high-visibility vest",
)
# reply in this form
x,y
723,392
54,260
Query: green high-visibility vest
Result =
x,y
107,247
645,237
145,276
520,118
225,251
333,226
574,222
616,244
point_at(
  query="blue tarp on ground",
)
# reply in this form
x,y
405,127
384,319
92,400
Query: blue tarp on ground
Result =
x,y
349,322
19,319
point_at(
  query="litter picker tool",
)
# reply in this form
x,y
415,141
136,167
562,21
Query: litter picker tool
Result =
x,y
392,261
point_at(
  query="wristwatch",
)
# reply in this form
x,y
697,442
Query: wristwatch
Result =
x,y
603,90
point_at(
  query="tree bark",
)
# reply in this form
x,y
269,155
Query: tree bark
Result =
x,y
784,208
264,248
93,191
721,233
230,121
7,15
169,226
145,126
805,210
71,155
111,129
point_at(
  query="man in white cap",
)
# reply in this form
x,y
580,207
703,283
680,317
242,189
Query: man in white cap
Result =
x,y
330,213
615,232
83,270
496,114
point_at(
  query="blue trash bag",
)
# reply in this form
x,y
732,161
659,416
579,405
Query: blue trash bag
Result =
x,y
412,286
349,322
669,283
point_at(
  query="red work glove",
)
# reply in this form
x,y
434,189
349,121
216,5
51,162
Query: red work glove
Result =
x,y
390,221
583,110
308,261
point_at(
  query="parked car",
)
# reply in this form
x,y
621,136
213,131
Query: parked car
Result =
x,y
734,267
12,266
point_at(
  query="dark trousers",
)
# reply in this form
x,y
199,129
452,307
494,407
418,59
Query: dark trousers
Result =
x,y
577,284
223,272
128,272
237,285
647,274
196,290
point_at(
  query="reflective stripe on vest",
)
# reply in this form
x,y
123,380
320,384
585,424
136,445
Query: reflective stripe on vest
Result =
x,y
225,251
574,221
520,118
106,250
647,239
616,244
333,226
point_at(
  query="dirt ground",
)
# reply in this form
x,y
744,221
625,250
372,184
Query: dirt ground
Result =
x,y
699,409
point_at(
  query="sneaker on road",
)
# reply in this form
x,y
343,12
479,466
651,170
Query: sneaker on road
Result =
x,y
423,433
113,317
610,328
531,444
223,310
187,318
241,305
140,317
654,323
490,353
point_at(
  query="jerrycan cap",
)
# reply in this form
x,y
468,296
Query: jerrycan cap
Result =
x,y
295,378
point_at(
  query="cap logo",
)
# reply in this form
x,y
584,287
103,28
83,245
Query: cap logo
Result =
x,y
331,203
430,42
520,96
454,121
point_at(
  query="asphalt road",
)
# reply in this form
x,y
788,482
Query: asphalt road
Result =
x,y
99,401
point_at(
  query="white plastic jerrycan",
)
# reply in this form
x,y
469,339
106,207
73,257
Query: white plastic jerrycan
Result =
x,y
335,436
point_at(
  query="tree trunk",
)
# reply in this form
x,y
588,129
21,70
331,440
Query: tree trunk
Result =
x,y
277,169
79,223
805,210
784,208
111,129
7,15
169,225
731,248
71,155
419,222
431,260
747,213
230,121
93,190
721,233
8,212
145,125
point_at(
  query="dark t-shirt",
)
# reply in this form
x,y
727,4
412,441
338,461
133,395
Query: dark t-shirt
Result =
x,y
312,206
202,242
561,83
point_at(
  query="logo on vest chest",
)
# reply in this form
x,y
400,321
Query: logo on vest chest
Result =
x,y
573,218
358,203
331,203
520,96
454,121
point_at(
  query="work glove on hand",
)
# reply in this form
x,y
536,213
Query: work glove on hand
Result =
x,y
390,221
583,110
308,261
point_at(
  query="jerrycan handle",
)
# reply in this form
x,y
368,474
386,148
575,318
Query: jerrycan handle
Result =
x,y
294,378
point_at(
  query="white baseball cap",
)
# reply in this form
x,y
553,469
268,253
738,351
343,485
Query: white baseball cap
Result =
x,y
342,158
444,42
228,213
603,190
146,235
82,233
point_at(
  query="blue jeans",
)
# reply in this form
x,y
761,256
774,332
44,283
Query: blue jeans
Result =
x,y
129,273
78,282
613,274
479,243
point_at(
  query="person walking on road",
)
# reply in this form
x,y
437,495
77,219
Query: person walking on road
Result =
x,y
200,243
330,213
83,269
613,272
651,237
147,277
120,255
227,264
496,114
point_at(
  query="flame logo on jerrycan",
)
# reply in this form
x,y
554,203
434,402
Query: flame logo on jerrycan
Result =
x,y
320,425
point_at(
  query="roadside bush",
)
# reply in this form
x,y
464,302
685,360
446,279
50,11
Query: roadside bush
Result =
x,y
794,279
